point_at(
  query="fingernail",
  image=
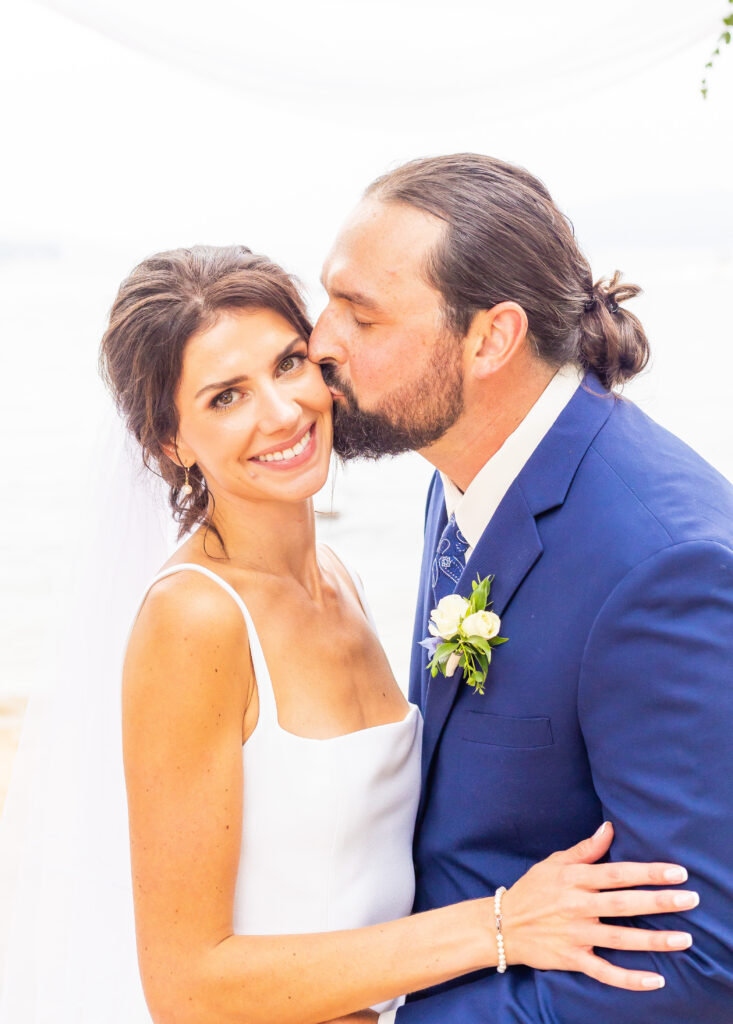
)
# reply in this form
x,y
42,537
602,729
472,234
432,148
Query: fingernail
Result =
x,y
675,875
656,981
686,899
679,940
601,830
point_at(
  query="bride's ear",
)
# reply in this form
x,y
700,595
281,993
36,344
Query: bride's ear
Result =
x,y
179,453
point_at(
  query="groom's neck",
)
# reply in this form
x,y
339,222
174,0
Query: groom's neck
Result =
x,y
493,409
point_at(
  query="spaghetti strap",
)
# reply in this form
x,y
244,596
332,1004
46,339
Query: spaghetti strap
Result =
x,y
265,692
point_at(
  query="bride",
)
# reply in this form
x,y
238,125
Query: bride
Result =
x,y
271,761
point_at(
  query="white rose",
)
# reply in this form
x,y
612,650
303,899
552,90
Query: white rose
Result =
x,y
483,624
446,618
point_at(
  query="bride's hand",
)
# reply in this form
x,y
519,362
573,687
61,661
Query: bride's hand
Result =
x,y
551,915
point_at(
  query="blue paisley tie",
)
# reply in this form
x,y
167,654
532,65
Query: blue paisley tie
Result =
x,y
449,561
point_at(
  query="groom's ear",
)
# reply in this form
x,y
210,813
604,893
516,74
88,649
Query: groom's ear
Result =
x,y
495,336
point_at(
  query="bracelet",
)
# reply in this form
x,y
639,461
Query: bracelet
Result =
x,y
501,966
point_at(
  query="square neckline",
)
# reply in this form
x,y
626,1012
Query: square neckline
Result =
x,y
255,646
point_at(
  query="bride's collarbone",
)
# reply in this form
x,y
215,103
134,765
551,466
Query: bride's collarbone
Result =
x,y
329,673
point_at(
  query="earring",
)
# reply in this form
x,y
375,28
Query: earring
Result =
x,y
187,488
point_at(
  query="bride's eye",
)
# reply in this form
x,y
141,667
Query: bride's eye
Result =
x,y
224,400
292,362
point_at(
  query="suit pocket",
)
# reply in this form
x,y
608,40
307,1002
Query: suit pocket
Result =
x,y
503,731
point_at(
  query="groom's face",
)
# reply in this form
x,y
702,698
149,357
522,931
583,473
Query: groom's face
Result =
x,y
395,370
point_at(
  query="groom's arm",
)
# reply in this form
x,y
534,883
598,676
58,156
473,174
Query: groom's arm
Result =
x,y
656,709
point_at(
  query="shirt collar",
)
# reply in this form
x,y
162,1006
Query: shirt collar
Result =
x,y
475,507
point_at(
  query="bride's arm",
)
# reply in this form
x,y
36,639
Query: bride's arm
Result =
x,y
187,680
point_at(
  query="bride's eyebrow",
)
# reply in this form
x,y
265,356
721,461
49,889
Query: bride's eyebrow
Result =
x,y
221,385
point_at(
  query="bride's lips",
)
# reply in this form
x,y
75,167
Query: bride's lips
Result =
x,y
297,460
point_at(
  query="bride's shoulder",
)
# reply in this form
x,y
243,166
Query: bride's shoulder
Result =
x,y
187,677
187,616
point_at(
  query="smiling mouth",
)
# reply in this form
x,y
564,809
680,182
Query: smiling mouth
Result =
x,y
298,451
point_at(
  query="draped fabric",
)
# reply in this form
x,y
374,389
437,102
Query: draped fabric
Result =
x,y
405,53
67,946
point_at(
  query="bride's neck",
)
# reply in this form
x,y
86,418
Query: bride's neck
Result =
x,y
277,538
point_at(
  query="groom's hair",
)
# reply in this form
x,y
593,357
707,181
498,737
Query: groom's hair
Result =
x,y
506,240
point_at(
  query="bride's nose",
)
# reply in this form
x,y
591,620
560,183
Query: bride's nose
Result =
x,y
278,412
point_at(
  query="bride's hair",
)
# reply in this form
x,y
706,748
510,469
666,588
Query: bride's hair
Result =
x,y
167,299
505,239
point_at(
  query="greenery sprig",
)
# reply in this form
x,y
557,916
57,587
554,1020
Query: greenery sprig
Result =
x,y
723,40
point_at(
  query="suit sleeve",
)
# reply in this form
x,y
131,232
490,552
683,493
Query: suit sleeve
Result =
x,y
655,705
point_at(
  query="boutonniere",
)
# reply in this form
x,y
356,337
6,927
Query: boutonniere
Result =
x,y
462,635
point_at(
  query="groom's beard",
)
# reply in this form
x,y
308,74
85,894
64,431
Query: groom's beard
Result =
x,y
410,417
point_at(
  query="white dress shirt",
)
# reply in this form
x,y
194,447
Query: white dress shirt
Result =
x,y
475,507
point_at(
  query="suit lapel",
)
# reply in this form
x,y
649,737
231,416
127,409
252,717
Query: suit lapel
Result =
x,y
510,545
508,550
435,524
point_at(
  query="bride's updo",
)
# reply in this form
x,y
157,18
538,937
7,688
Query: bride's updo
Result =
x,y
167,299
506,240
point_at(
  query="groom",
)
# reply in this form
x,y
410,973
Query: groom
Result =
x,y
463,322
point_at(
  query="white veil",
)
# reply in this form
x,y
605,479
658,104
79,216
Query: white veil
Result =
x,y
67,940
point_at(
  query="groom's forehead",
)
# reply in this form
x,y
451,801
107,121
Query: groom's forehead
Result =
x,y
385,241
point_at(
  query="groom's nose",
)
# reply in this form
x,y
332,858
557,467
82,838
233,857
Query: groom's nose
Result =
x,y
325,344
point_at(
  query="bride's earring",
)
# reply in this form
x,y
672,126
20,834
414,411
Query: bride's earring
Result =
x,y
187,488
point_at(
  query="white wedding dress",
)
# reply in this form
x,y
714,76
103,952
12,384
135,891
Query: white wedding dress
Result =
x,y
327,824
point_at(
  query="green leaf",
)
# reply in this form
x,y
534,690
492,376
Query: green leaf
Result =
x,y
497,640
443,651
726,38
481,644
729,19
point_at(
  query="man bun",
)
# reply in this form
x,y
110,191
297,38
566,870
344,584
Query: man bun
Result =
x,y
612,342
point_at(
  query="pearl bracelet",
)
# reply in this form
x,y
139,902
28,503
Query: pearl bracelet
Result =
x,y
501,966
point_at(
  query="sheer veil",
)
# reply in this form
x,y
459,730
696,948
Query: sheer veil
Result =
x,y
67,940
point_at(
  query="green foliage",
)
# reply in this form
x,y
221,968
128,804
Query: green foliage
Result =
x,y
723,40
474,652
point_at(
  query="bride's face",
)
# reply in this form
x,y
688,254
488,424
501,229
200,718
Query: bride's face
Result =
x,y
254,412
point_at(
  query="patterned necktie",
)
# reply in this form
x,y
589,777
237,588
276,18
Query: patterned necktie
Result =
x,y
449,561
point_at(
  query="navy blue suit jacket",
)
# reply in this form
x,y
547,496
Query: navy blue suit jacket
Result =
x,y
613,699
